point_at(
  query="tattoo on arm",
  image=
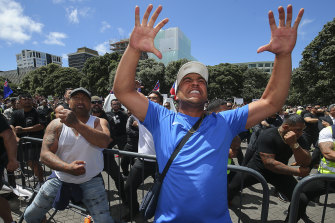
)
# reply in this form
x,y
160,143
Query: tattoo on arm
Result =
x,y
50,145
275,166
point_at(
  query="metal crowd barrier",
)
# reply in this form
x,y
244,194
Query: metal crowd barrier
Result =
x,y
261,179
298,190
28,141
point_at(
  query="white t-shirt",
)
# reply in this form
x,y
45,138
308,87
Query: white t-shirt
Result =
x,y
145,141
326,135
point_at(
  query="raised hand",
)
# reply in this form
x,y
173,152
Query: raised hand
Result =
x,y
68,117
283,37
143,34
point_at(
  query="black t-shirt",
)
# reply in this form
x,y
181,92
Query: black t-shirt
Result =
x,y
269,141
28,119
119,122
311,129
3,126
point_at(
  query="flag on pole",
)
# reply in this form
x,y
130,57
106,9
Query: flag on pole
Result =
x,y
173,89
6,90
156,88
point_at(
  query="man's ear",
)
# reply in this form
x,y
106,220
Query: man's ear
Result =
x,y
285,127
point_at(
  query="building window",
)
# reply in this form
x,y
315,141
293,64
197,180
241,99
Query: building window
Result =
x,y
252,65
267,65
260,65
267,70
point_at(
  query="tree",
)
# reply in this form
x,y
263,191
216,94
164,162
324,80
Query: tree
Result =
x,y
97,73
225,81
51,80
149,72
254,83
312,81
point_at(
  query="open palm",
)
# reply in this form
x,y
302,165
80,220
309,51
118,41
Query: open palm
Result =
x,y
283,37
143,34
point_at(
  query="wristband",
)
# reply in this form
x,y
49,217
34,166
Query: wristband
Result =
x,y
295,146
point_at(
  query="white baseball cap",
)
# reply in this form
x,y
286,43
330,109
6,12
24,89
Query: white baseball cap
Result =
x,y
191,67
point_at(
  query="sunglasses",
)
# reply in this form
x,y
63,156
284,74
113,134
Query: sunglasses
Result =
x,y
96,102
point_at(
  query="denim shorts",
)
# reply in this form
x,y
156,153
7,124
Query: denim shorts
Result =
x,y
94,198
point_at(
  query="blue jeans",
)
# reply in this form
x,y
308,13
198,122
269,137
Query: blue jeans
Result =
x,y
94,198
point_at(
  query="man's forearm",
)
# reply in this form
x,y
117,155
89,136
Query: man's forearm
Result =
x,y
277,89
280,168
93,136
53,161
124,81
34,128
302,157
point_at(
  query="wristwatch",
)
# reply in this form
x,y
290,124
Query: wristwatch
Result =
x,y
295,146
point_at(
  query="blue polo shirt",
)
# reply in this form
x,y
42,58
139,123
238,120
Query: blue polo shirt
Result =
x,y
195,186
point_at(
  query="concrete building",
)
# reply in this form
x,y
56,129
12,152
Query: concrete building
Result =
x,y
78,59
32,58
173,44
266,66
121,46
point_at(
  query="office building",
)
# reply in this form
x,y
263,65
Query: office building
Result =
x,y
266,66
173,44
78,59
121,46
32,58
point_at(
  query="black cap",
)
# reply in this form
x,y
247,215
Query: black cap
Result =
x,y
82,90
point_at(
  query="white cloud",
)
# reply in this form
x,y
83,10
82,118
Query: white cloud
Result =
x,y
35,42
55,38
105,26
303,23
121,31
15,27
72,15
102,48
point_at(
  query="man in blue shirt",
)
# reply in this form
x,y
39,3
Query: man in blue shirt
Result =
x,y
194,189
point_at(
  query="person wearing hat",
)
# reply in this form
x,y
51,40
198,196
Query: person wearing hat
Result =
x,y
72,146
195,186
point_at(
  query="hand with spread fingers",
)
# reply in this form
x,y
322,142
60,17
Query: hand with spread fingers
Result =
x,y
143,34
283,37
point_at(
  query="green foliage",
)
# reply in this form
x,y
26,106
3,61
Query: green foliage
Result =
x,y
225,81
312,81
51,80
97,72
172,70
254,83
148,72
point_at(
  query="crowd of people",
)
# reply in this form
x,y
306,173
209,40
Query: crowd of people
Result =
x,y
77,130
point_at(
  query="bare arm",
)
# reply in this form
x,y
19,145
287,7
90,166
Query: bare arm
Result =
x,y
49,148
34,128
141,40
11,148
99,135
283,39
327,150
278,167
311,120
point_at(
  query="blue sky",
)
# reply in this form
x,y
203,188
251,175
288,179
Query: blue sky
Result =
x,y
221,31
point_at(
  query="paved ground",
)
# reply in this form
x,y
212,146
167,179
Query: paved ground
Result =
x,y
251,207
